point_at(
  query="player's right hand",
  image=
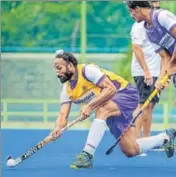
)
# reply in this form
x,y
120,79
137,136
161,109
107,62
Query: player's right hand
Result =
x,y
56,133
148,79
160,86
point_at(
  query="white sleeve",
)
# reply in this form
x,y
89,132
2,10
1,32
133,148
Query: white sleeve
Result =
x,y
167,20
64,98
93,73
138,34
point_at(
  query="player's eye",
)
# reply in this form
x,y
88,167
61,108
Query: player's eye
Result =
x,y
57,68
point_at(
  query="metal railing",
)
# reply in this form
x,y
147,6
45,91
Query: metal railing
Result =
x,y
45,113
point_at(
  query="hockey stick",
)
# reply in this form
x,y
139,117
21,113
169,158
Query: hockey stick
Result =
x,y
30,152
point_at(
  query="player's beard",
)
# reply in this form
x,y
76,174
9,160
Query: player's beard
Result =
x,y
66,77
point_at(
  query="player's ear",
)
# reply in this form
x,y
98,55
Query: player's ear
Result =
x,y
138,9
70,65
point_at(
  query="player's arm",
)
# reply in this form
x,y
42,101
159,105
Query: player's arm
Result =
x,y
138,36
61,121
140,58
94,74
165,57
173,32
168,20
62,118
108,90
64,109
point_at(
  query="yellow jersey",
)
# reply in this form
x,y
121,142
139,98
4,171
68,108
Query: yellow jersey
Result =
x,y
85,90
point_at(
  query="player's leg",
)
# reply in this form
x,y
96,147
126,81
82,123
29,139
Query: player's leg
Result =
x,y
145,120
129,144
95,135
147,117
139,81
139,122
132,146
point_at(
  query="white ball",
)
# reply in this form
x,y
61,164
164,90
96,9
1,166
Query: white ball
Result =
x,y
11,163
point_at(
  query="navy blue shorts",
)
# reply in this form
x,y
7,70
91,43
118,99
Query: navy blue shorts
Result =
x,y
127,101
145,90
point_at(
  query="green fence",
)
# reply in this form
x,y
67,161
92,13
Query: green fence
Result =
x,y
43,113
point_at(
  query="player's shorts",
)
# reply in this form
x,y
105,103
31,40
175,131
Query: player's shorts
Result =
x,y
127,101
174,79
145,90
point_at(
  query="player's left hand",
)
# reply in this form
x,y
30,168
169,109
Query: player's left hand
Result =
x,y
85,111
160,86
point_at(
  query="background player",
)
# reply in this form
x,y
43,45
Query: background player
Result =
x,y
160,26
146,65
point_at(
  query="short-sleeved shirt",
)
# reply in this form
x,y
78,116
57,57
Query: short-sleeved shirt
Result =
x,y
152,59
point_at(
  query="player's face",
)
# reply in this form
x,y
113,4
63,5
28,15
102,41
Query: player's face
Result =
x,y
135,14
156,4
62,70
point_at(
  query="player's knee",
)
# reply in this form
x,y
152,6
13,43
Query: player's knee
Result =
x,y
131,152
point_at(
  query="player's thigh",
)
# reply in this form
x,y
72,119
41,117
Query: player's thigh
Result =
x,y
107,109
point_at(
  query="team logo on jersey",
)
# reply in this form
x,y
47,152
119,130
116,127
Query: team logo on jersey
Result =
x,y
86,98
167,41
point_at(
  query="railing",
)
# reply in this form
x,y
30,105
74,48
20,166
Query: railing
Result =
x,y
46,113
5,113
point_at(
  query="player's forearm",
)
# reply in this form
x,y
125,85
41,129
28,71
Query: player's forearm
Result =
x,y
164,64
61,121
105,95
63,115
140,57
173,59
165,58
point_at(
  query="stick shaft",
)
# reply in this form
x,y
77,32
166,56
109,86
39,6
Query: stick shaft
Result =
x,y
43,143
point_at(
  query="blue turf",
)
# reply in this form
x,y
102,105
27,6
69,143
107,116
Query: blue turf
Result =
x,y
54,159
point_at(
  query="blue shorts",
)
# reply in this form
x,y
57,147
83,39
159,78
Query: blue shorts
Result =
x,y
127,101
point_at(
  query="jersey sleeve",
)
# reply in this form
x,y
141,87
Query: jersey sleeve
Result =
x,y
137,34
64,98
167,20
93,73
